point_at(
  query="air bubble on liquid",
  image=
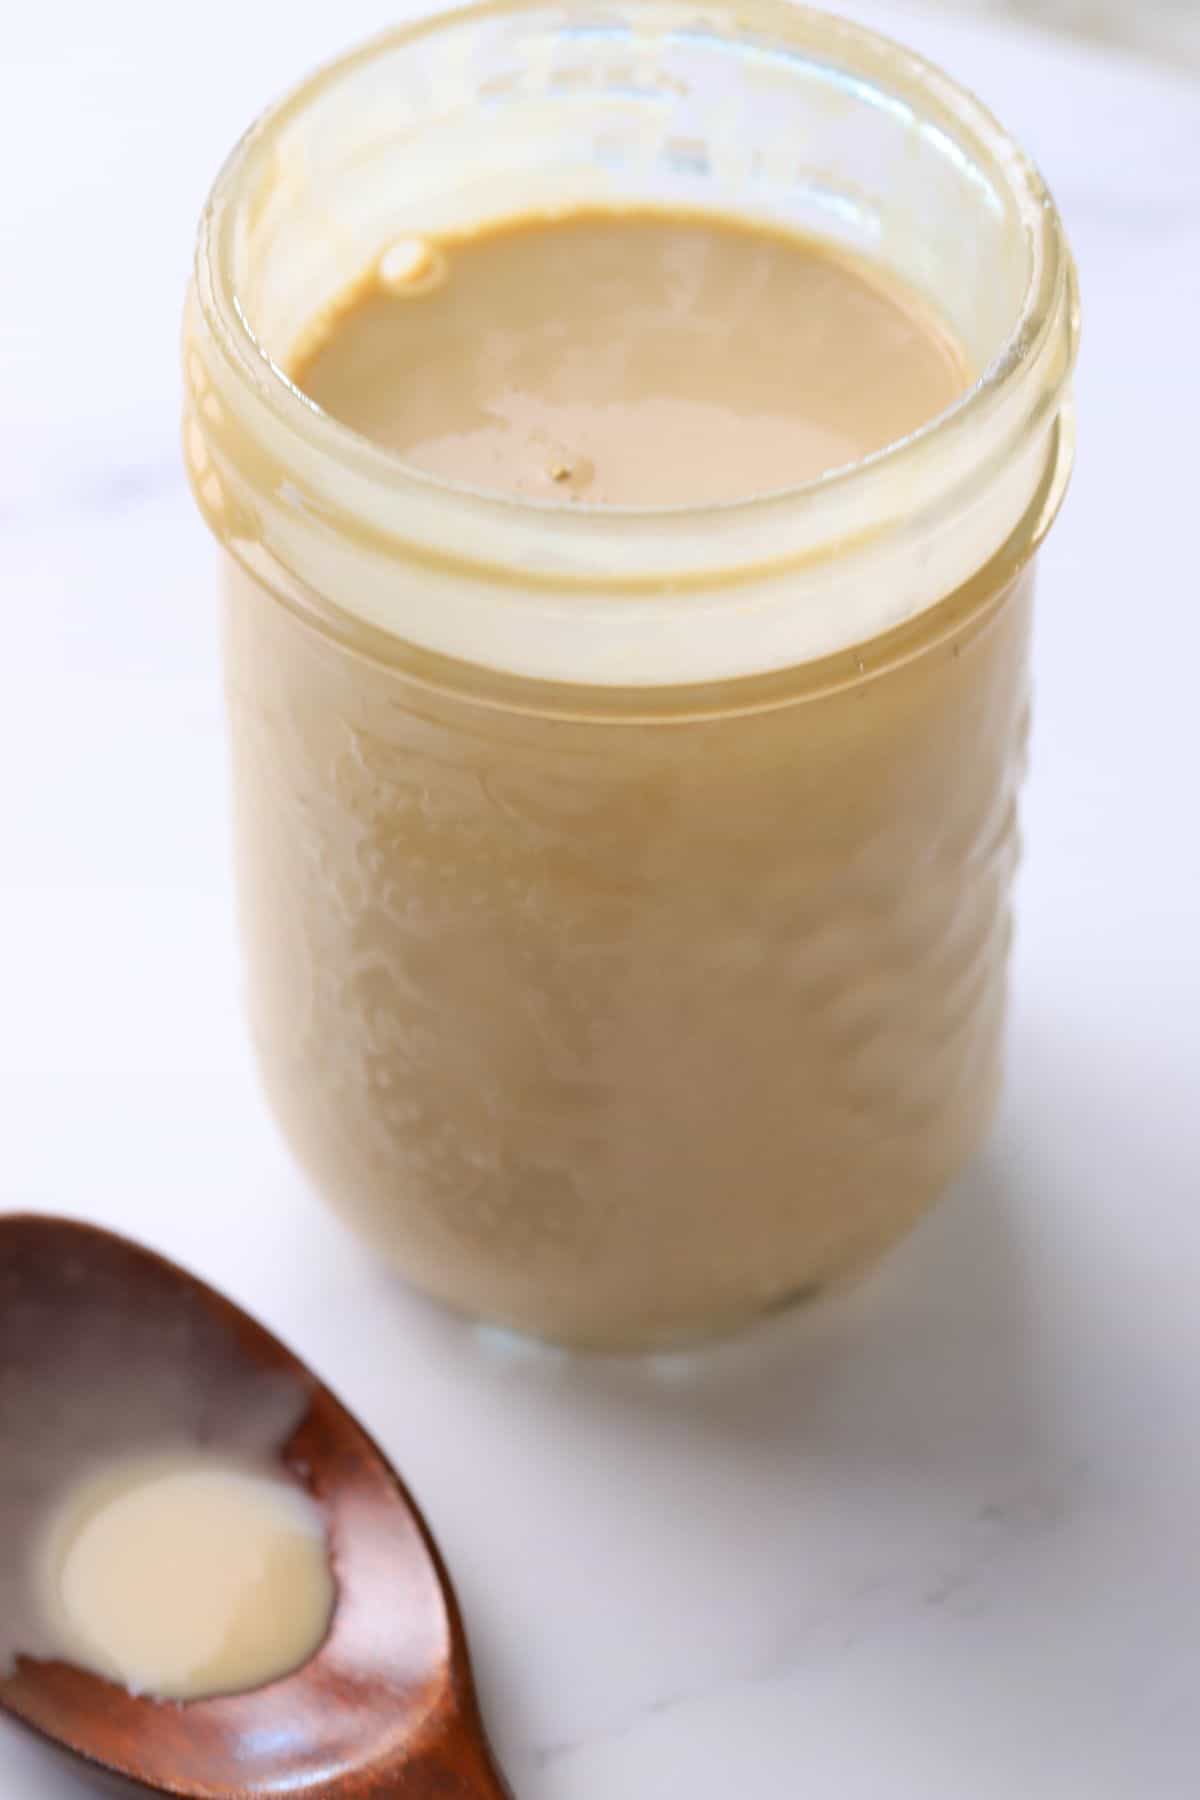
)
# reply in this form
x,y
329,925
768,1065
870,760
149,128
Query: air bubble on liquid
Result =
x,y
411,266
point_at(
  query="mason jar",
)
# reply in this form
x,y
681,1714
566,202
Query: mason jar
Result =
x,y
626,893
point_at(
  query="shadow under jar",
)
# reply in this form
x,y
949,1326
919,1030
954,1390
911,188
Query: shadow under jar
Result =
x,y
627,892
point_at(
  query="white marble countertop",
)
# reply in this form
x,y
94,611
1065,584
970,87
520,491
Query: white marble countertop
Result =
x,y
937,1541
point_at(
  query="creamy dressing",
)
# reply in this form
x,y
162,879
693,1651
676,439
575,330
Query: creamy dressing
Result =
x,y
630,359
183,1575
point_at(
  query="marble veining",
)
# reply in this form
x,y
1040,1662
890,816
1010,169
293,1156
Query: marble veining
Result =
x,y
1169,29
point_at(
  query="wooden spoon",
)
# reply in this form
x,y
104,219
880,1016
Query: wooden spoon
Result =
x,y
386,1709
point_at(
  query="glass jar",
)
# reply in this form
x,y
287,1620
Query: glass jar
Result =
x,y
627,892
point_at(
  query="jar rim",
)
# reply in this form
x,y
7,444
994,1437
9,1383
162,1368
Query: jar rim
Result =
x,y
585,548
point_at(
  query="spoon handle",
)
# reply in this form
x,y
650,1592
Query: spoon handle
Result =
x,y
460,1767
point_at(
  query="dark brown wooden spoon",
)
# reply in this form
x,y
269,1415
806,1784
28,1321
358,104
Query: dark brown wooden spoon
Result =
x,y
386,1709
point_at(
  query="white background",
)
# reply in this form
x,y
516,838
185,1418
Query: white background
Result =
x,y
938,1541
1166,28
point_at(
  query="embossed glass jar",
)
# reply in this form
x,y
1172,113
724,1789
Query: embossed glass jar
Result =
x,y
627,893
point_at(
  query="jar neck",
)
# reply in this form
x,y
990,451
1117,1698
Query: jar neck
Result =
x,y
400,134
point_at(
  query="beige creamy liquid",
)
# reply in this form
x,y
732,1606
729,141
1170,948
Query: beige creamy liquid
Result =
x,y
154,1530
629,359
183,1576
626,1029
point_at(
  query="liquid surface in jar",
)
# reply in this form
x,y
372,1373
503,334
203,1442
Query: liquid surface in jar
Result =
x,y
184,1575
637,359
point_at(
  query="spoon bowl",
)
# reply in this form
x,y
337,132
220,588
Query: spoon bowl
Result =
x,y
386,1708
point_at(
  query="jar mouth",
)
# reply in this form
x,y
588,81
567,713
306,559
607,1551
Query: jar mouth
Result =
x,y
325,470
